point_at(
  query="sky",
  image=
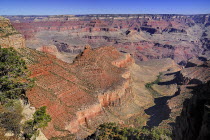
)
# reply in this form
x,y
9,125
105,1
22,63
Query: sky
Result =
x,y
80,7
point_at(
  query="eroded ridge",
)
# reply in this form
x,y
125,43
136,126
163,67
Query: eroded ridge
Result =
x,y
76,93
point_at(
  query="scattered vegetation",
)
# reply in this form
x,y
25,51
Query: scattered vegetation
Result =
x,y
14,81
1,30
111,131
8,34
149,85
7,31
10,117
40,120
138,121
13,84
13,76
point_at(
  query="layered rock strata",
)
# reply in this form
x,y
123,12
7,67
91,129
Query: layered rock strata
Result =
x,y
179,37
9,36
101,85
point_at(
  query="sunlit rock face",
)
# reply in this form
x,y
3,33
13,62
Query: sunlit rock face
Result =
x,y
105,82
9,36
77,94
145,37
101,85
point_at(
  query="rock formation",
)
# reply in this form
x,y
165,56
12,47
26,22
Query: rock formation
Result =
x,y
100,85
9,36
193,123
108,84
188,114
178,37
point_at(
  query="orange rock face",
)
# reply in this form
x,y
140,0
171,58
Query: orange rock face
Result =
x,y
48,49
76,94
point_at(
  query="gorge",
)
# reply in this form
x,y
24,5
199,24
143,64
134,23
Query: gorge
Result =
x,y
134,70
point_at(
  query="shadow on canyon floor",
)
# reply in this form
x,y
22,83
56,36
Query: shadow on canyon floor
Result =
x,y
160,111
174,81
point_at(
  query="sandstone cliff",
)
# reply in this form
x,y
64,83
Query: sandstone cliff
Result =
x,y
9,36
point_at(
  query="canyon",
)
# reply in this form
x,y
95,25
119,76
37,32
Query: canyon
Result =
x,y
101,85
93,69
179,37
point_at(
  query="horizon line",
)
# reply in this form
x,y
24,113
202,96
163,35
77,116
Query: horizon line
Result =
x,y
96,14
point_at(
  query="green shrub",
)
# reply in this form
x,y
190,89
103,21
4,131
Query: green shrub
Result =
x,y
40,120
10,121
111,131
149,85
156,134
13,84
11,116
13,72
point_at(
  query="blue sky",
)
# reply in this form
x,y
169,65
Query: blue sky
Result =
x,y
59,7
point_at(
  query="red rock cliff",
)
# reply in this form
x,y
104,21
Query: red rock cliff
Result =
x,y
77,94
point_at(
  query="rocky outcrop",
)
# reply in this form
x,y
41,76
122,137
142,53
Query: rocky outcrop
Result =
x,y
16,41
9,37
194,120
124,61
188,109
78,93
194,62
194,75
173,30
101,85
48,49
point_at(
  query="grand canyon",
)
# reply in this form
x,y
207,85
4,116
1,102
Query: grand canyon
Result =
x,y
135,70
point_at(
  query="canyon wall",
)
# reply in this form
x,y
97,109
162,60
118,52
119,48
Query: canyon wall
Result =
x,y
193,123
77,94
105,85
178,37
189,107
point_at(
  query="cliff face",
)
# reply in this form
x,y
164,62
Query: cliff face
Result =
x,y
77,94
190,107
146,37
105,85
9,36
194,75
194,120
